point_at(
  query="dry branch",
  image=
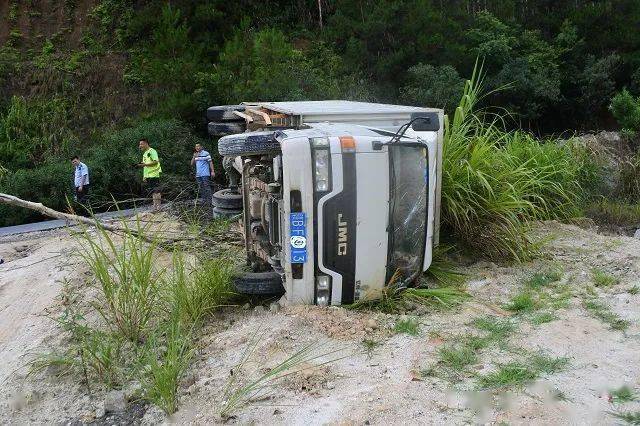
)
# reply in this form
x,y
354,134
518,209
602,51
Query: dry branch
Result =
x,y
68,217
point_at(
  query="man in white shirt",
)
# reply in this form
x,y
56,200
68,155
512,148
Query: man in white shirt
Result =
x,y
80,180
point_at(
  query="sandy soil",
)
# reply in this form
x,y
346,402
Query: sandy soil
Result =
x,y
381,386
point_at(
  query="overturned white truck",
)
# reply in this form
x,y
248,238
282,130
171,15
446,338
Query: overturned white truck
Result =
x,y
339,198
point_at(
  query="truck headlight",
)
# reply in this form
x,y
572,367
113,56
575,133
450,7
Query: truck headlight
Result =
x,y
321,160
323,290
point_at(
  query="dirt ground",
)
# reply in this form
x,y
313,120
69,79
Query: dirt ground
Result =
x,y
394,378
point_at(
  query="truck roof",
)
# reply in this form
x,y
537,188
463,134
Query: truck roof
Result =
x,y
338,107
383,116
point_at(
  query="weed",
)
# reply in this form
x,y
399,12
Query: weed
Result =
x,y
542,363
604,314
511,374
237,395
630,418
558,395
543,279
369,346
474,342
92,352
61,363
522,302
634,290
520,373
409,326
603,279
622,395
164,368
393,299
444,296
497,328
543,318
443,270
457,358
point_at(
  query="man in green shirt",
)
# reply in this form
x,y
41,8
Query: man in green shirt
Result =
x,y
151,172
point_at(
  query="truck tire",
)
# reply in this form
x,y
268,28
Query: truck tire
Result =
x,y
222,213
256,143
259,283
227,199
228,128
224,113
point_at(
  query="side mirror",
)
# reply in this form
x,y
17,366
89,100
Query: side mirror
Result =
x,y
425,121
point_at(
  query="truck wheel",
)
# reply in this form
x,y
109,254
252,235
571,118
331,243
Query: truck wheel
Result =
x,y
222,213
227,199
229,128
259,283
256,143
224,113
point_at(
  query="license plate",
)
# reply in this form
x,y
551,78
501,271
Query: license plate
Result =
x,y
298,239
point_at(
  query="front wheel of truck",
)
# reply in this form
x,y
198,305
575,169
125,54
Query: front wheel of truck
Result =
x,y
259,284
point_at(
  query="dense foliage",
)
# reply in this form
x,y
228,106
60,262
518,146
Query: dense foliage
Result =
x,y
74,79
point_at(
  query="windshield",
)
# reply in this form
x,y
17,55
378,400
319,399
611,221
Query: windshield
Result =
x,y
408,211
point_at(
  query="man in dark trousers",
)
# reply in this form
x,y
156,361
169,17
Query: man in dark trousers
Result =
x,y
151,170
80,180
204,172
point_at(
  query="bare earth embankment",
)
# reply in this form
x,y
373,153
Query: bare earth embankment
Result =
x,y
523,350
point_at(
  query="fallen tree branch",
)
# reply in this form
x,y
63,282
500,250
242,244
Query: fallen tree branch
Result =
x,y
68,217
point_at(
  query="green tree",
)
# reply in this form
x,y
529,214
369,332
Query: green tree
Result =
x,y
263,65
437,87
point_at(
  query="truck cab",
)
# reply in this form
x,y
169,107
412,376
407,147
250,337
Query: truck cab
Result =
x,y
337,208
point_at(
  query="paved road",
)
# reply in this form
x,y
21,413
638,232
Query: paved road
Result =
x,y
54,224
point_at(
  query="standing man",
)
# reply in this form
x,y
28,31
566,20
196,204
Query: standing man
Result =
x,y
151,172
204,172
80,180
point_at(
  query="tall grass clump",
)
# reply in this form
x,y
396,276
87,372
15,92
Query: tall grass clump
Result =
x,y
495,182
149,313
165,365
196,290
126,277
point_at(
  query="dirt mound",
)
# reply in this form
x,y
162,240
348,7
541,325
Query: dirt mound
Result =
x,y
581,328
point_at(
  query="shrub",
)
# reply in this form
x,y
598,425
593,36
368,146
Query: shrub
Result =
x,y
626,109
33,130
50,183
613,212
629,185
116,174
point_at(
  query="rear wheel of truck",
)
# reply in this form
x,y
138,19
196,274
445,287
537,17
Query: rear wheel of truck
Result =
x,y
256,143
224,113
222,213
227,199
223,129
259,283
